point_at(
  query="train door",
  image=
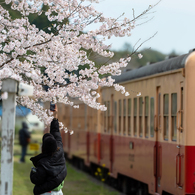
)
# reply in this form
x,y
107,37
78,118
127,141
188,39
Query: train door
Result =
x,y
70,127
87,133
179,156
157,146
111,134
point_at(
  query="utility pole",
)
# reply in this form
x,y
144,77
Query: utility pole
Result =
x,y
13,88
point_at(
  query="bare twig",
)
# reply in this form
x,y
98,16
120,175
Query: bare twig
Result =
x,y
134,51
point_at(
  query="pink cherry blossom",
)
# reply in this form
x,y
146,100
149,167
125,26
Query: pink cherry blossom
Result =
x,y
25,51
140,55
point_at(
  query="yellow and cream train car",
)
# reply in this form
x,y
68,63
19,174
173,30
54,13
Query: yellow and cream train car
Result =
x,y
146,142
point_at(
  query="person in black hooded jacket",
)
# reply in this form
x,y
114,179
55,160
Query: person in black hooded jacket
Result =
x,y
24,137
50,167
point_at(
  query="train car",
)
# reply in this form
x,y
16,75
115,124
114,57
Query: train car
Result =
x,y
146,142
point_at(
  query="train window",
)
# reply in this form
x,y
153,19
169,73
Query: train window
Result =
x,y
135,117
146,116
140,116
124,116
115,117
174,115
152,117
108,116
86,111
166,115
105,113
95,120
119,120
129,116
89,118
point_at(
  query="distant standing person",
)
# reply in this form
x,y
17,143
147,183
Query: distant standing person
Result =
x,y
24,139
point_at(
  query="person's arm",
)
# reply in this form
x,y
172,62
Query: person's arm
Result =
x,y
38,175
55,111
54,130
27,133
54,127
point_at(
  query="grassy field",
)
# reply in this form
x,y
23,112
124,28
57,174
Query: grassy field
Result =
x,y
76,182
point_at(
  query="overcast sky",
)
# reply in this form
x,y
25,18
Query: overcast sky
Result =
x,y
173,21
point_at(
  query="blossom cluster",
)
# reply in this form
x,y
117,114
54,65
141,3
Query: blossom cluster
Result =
x,y
40,59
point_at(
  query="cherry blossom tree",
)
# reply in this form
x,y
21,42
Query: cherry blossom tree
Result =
x,y
37,58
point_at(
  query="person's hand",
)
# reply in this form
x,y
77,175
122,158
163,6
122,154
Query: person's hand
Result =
x,y
55,112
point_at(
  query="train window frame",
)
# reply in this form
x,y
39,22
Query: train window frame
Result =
x,y
90,119
146,116
173,117
181,104
108,116
105,117
115,117
129,117
140,116
166,116
86,111
135,116
119,116
124,116
81,121
152,114
94,126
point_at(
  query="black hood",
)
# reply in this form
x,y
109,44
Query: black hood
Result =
x,y
24,125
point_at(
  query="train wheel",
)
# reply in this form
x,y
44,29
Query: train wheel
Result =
x,y
142,189
124,187
128,186
81,165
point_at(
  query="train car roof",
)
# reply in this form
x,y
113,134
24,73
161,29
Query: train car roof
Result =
x,y
156,68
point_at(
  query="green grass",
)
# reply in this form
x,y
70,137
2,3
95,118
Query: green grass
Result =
x,y
21,180
76,182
